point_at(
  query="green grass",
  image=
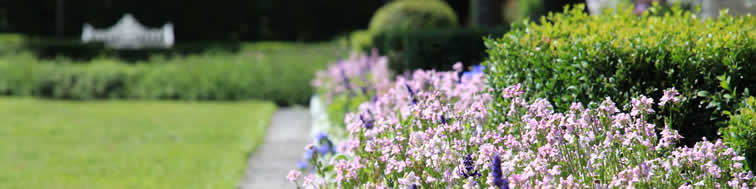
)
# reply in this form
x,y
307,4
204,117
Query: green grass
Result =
x,y
127,144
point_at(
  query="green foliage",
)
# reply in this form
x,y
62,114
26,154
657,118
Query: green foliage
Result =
x,y
741,132
434,48
361,40
573,56
269,71
10,42
413,14
128,144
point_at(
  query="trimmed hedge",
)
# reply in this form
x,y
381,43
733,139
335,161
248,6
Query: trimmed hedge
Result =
x,y
278,75
573,56
73,49
434,48
413,14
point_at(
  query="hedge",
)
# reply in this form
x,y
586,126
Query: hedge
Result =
x,y
277,75
573,56
434,48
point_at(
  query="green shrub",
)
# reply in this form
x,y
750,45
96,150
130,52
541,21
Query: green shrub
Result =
x,y
360,40
413,14
434,48
573,56
277,72
10,42
741,132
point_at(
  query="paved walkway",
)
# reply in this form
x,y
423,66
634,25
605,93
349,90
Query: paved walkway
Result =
x,y
284,144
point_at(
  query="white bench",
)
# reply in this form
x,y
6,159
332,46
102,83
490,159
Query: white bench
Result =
x,y
127,33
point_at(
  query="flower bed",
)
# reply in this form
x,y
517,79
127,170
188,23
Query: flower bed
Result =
x,y
438,129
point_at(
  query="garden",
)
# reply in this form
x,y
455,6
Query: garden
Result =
x,y
400,94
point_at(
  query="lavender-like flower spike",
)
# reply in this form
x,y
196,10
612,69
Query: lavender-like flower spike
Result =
x,y
412,94
368,123
443,120
498,180
469,169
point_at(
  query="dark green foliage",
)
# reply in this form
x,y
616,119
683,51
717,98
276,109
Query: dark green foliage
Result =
x,y
267,71
47,48
741,132
573,56
434,48
201,19
402,15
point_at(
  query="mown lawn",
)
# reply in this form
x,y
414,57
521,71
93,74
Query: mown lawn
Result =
x,y
127,144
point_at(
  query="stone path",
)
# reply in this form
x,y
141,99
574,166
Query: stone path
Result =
x,y
284,144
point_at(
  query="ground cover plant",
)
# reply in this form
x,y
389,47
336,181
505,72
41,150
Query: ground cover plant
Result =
x,y
127,144
575,57
278,72
439,129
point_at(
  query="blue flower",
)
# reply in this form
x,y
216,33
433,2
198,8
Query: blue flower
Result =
x,y
301,164
308,154
324,149
469,169
498,180
412,94
368,123
320,137
478,69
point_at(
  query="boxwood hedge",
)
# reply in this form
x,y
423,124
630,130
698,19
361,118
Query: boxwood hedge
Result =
x,y
573,56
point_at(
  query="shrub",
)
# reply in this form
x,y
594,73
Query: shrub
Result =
x,y
10,43
435,130
434,48
741,132
279,73
413,14
573,56
360,40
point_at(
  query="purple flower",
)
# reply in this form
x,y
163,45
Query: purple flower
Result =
x,y
301,164
308,154
368,123
469,169
477,69
669,95
321,136
293,175
498,180
412,94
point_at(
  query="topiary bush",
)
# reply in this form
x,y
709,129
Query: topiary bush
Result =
x,y
413,14
741,132
573,56
434,48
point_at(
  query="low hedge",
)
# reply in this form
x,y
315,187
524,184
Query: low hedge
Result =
x,y
434,48
281,76
573,56
73,49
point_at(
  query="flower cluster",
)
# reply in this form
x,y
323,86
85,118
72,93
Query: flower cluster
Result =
x,y
360,74
438,130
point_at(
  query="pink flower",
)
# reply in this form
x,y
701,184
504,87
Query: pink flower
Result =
x,y
669,95
293,175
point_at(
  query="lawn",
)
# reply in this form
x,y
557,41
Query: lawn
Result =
x,y
127,144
